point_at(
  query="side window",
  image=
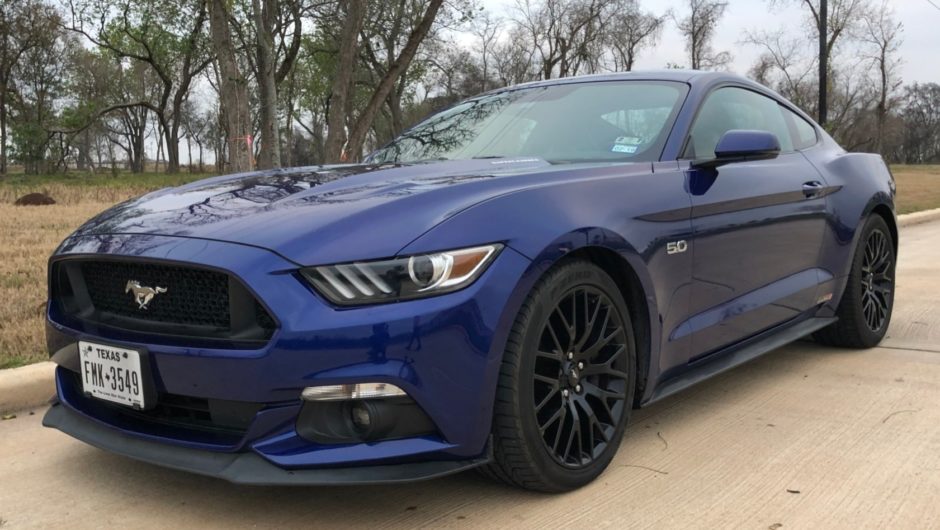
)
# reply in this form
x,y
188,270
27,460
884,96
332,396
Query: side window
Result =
x,y
733,108
804,134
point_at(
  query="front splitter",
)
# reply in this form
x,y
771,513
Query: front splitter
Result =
x,y
244,467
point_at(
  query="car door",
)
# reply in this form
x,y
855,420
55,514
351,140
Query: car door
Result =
x,y
757,225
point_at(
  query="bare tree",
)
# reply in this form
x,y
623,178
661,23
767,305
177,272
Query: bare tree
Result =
x,y
486,29
842,16
838,18
513,60
785,65
698,29
881,36
563,32
630,31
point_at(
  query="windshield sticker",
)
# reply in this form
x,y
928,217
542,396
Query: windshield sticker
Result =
x,y
628,140
628,149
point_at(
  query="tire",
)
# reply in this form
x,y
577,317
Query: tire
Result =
x,y
865,309
539,381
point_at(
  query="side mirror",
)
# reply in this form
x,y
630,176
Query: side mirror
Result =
x,y
742,146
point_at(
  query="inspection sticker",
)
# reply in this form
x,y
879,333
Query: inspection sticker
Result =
x,y
619,148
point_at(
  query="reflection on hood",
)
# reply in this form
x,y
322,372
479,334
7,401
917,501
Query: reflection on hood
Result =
x,y
283,210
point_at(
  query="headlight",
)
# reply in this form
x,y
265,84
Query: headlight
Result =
x,y
371,282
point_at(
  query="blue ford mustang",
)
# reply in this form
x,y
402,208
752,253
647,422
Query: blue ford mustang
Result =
x,y
496,288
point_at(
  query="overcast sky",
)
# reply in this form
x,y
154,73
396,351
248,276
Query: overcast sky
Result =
x,y
920,50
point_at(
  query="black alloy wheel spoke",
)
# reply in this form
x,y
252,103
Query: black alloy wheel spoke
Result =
x,y
877,280
606,367
579,391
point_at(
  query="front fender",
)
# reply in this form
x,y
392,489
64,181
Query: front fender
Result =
x,y
618,213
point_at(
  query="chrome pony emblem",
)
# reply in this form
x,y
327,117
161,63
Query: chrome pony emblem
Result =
x,y
143,295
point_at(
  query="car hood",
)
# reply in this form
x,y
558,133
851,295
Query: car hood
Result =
x,y
324,214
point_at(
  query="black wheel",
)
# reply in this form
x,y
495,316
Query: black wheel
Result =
x,y
566,384
865,309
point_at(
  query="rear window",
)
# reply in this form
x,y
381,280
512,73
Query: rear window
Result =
x,y
804,134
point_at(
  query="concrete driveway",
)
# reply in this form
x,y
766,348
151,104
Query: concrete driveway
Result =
x,y
806,437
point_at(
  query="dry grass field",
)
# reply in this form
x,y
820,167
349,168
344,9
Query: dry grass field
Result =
x,y
29,234
918,188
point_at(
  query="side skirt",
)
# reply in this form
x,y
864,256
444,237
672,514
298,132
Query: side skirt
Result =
x,y
738,355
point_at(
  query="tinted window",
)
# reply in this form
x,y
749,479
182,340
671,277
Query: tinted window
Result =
x,y
603,121
804,134
732,108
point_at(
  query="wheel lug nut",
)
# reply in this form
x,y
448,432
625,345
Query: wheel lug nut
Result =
x,y
564,392
570,355
580,366
577,389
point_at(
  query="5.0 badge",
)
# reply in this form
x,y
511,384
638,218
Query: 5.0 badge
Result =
x,y
677,247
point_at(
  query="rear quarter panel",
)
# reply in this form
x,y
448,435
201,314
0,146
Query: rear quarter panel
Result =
x,y
865,185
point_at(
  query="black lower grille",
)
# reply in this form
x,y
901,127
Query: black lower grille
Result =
x,y
160,299
196,413
230,419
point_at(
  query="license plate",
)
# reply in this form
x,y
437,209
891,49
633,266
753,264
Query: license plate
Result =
x,y
112,374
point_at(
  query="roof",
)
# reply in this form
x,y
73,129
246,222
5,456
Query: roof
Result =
x,y
674,75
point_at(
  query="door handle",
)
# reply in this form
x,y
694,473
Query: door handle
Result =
x,y
812,189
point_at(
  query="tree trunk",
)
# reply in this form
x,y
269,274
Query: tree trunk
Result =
x,y
160,140
287,158
114,170
3,129
358,136
882,116
394,107
189,151
138,149
233,91
172,148
270,154
342,81
81,160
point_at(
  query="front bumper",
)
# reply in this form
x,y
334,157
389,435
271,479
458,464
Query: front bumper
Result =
x,y
444,352
242,468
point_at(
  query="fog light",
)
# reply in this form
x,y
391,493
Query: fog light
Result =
x,y
361,417
357,391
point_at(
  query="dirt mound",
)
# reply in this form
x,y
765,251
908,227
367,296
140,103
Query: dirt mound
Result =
x,y
34,199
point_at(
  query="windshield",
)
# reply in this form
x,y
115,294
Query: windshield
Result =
x,y
610,121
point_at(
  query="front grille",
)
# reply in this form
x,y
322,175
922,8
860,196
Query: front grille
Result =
x,y
191,302
194,296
